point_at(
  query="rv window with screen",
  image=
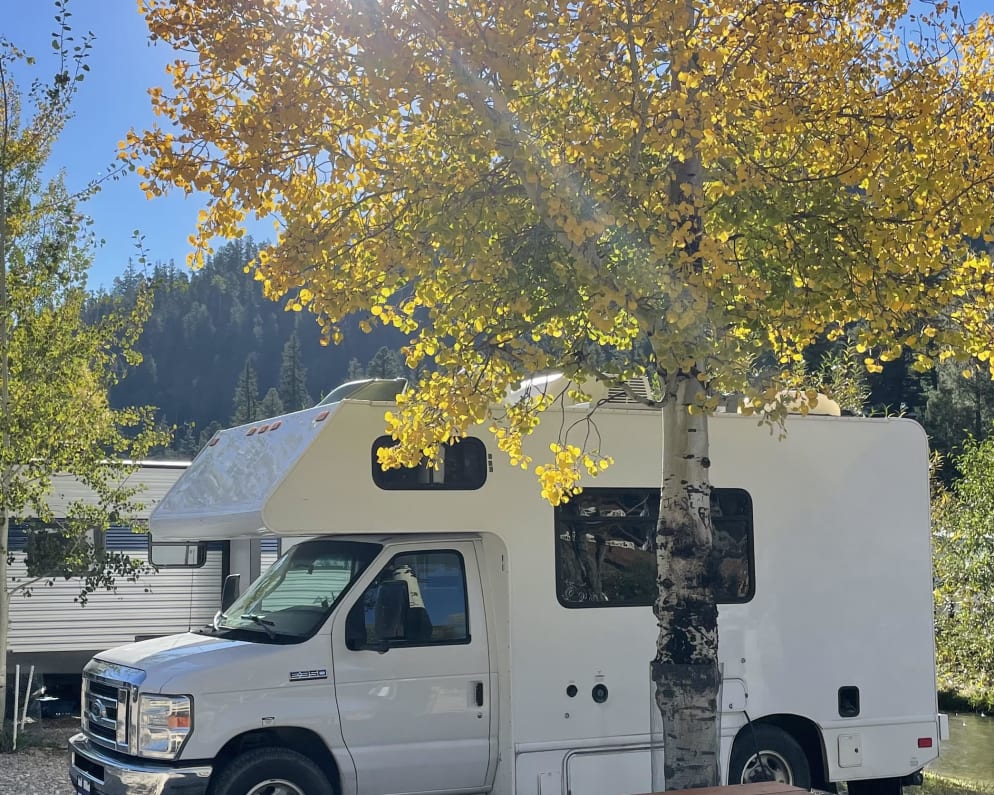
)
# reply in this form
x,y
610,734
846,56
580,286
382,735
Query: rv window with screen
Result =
x,y
605,547
56,550
419,599
461,465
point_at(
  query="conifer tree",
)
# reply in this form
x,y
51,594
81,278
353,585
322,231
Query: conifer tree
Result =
x,y
386,363
293,377
247,403
271,405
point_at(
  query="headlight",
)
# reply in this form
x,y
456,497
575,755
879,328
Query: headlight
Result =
x,y
164,723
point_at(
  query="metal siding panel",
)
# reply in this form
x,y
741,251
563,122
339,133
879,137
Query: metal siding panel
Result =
x,y
155,477
170,601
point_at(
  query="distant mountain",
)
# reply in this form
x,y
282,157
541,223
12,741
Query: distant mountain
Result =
x,y
212,332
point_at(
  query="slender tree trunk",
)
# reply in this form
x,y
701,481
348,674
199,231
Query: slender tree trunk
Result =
x,y
685,672
4,428
4,614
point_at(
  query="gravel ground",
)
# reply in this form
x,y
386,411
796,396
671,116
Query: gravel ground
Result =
x,y
35,771
41,764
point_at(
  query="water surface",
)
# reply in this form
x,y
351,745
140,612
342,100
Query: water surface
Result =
x,y
969,752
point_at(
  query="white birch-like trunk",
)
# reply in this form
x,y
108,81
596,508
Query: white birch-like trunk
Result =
x,y
685,675
4,411
5,441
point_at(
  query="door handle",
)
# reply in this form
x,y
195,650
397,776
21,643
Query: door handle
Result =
x,y
479,694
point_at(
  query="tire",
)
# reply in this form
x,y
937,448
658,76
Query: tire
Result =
x,y
272,771
780,758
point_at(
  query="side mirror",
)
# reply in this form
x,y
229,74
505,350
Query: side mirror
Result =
x,y
230,590
177,554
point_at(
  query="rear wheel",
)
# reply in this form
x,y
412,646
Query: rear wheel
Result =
x,y
768,753
272,771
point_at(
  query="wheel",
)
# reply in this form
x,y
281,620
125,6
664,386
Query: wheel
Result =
x,y
272,771
767,753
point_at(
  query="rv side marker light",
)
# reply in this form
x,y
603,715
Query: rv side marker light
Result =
x,y
263,429
214,441
250,431
322,416
275,425
924,742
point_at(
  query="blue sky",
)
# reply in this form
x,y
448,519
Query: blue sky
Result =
x,y
113,99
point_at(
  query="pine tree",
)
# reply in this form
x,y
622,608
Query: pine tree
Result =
x,y
958,408
386,363
271,405
293,377
356,370
247,403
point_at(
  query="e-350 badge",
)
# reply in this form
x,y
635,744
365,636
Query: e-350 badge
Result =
x,y
303,676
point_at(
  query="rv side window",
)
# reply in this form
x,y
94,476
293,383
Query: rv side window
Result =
x,y
419,599
461,465
58,549
605,547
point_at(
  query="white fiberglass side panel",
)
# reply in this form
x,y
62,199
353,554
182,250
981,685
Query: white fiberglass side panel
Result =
x,y
843,589
225,489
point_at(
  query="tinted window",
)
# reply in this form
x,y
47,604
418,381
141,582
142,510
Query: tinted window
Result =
x,y
605,547
461,465
419,599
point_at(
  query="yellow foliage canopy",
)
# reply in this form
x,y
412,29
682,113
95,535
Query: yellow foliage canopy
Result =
x,y
601,187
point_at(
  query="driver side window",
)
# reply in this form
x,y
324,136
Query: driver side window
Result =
x,y
419,599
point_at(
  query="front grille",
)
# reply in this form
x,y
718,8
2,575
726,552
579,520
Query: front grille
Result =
x,y
105,712
108,692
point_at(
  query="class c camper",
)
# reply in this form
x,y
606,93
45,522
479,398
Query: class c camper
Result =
x,y
446,630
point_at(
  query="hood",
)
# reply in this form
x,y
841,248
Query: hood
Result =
x,y
196,664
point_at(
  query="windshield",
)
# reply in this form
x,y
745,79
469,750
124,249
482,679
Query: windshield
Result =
x,y
291,600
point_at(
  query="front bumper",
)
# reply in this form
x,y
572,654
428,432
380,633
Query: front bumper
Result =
x,y
92,770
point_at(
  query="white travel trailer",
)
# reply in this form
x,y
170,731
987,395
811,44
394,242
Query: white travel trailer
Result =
x,y
447,631
50,630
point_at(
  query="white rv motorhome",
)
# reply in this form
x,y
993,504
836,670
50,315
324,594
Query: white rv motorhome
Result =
x,y
447,631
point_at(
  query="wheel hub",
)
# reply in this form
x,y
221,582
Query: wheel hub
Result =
x,y
275,786
767,766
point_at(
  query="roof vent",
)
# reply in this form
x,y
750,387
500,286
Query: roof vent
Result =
x,y
636,392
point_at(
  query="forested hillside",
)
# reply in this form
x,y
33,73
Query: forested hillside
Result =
x,y
216,352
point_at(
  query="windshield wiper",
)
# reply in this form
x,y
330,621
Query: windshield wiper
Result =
x,y
262,622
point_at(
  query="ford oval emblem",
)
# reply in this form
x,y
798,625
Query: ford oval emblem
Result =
x,y
97,710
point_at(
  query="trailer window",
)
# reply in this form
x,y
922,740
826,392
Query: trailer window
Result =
x,y
605,547
461,465
57,549
419,599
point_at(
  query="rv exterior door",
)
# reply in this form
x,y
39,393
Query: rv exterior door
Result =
x,y
412,674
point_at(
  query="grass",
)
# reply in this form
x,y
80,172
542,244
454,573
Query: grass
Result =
x,y
945,785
